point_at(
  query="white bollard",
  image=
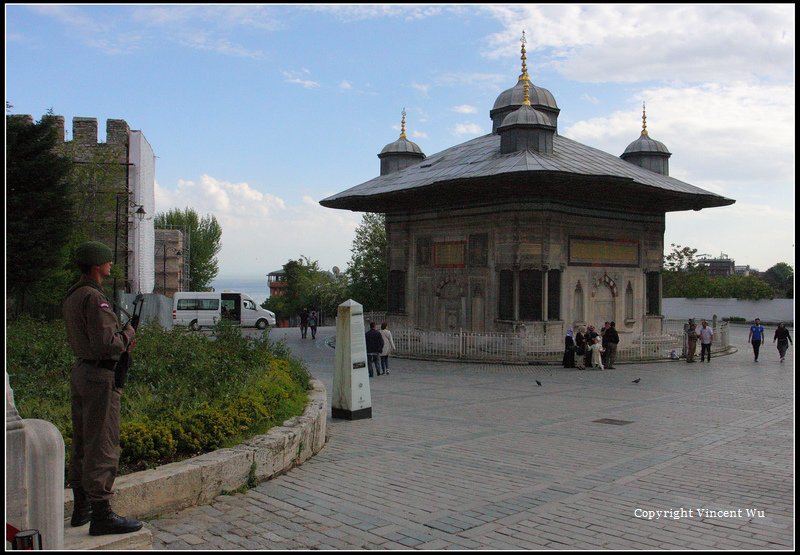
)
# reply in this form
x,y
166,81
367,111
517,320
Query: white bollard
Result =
x,y
351,396
34,475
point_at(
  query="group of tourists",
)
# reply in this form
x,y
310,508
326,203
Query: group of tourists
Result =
x,y
589,348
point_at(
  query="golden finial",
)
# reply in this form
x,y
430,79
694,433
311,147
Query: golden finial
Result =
x,y
524,75
644,120
403,125
526,100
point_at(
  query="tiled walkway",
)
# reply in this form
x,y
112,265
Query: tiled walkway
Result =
x,y
463,456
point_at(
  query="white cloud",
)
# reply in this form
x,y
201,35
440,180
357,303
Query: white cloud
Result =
x,y
206,41
296,78
467,129
758,235
465,109
637,42
260,231
94,31
423,88
486,81
737,134
345,85
419,135
350,13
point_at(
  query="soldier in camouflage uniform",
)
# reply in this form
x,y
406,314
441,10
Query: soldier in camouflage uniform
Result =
x,y
95,338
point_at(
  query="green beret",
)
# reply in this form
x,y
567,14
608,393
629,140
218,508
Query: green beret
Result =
x,y
93,253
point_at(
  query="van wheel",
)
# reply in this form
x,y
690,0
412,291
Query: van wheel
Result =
x,y
261,324
194,326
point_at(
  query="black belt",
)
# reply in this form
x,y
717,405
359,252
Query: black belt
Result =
x,y
108,364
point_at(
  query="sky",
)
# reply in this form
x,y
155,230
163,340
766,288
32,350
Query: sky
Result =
x,y
258,112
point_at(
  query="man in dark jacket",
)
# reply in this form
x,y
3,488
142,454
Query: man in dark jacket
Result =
x,y
374,348
611,337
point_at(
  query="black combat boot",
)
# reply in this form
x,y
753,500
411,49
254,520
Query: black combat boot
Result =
x,y
105,521
81,508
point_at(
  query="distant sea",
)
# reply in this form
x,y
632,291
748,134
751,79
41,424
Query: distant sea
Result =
x,y
255,287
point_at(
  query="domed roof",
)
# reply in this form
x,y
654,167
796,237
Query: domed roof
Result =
x,y
647,145
525,115
644,144
539,96
511,99
402,146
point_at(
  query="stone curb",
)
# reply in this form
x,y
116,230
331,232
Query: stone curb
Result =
x,y
197,481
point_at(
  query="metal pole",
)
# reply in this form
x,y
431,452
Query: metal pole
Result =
x,y
116,240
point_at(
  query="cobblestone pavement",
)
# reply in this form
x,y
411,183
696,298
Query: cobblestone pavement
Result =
x,y
465,456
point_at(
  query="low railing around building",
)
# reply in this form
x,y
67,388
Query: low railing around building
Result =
x,y
531,347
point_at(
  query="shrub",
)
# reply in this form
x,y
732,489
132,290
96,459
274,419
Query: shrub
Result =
x,y
186,393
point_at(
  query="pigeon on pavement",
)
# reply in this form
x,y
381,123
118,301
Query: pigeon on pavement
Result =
x,y
538,383
636,380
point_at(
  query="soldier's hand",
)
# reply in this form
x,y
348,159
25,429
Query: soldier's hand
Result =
x,y
131,345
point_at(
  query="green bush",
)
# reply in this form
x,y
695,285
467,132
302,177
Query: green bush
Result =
x,y
186,393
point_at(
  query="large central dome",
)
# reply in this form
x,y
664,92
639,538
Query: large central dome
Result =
x,y
511,99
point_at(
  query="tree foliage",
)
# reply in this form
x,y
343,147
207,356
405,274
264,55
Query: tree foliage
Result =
x,y
205,241
781,278
694,286
684,277
40,211
368,268
308,287
681,259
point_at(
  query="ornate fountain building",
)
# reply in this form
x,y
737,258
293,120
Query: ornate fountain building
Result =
x,y
524,228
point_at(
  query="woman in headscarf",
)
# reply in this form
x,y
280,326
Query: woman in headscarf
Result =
x,y
569,350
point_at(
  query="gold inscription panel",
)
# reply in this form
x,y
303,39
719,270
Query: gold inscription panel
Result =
x,y
598,252
449,254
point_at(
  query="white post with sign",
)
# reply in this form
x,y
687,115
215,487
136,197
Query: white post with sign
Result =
x,y
351,398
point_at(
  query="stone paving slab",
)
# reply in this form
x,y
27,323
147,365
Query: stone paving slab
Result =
x,y
476,456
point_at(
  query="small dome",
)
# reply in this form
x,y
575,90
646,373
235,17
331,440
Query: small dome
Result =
x,y
525,115
402,146
644,144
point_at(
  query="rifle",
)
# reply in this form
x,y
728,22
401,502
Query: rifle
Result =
x,y
125,361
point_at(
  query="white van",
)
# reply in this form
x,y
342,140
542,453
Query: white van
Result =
x,y
202,309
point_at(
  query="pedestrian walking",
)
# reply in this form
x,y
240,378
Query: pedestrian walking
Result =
x,y
756,337
97,341
706,337
313,320
304,323
374,341
783,338
388,347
